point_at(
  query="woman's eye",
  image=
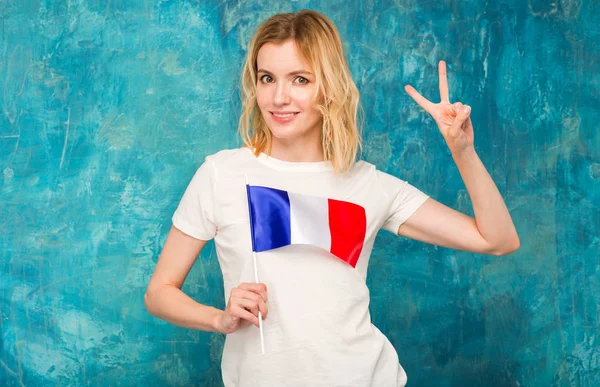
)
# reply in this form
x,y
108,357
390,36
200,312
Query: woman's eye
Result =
x,y
265,79
268,79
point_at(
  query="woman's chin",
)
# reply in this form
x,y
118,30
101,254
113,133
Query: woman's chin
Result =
x,y
284,133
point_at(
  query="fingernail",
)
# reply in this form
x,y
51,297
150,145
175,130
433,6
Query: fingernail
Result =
x,y
467,109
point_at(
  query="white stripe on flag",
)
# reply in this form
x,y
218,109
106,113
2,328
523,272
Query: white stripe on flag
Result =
x,y
309,220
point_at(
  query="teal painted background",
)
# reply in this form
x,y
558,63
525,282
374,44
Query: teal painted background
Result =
x,y
108,107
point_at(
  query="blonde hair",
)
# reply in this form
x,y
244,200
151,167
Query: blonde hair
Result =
x,y
338,99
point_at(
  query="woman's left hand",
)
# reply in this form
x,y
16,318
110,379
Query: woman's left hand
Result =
x,y
453,119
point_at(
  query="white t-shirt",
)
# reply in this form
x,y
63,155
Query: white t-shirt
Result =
x,y
318,331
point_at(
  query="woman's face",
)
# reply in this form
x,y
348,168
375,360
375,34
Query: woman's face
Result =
x,y
285,85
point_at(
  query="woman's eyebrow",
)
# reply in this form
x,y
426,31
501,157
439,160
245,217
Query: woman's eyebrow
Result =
x,y
296,72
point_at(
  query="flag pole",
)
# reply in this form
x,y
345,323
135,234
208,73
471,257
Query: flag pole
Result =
x,y
260,321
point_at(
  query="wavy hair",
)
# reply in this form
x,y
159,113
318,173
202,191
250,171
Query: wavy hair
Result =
x,y
336,95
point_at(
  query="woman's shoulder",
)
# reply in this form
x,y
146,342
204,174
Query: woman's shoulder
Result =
x,y
367,167
361,167
229,157
377,176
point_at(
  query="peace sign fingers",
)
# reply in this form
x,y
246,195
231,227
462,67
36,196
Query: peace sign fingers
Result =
x,y
443,83
451,118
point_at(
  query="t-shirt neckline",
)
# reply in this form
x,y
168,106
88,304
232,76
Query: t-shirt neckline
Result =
x,y
300,166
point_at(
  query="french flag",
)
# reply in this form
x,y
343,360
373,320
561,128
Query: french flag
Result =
x,y
280,218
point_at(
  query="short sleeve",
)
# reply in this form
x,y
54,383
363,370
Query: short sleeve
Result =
x,y
403,200
195,212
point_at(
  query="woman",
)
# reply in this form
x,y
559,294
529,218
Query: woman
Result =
x,y
299,126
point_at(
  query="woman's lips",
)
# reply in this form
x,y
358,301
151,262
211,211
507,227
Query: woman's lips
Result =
x,y
283,117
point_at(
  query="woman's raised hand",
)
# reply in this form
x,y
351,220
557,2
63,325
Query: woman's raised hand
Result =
x,y
244,303
453,119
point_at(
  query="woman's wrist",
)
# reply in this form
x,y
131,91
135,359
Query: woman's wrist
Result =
x,y
216,320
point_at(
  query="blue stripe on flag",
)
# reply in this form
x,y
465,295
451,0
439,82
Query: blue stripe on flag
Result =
x,y
269,217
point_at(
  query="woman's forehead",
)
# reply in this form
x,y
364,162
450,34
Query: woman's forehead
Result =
x,y
281,58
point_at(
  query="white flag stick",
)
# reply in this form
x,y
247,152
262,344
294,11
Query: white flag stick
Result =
x,y
260,321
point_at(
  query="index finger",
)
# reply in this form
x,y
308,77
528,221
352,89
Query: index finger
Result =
x,y
258,288
422,101
443,82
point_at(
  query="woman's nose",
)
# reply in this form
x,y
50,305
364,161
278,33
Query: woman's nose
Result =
x,y
282,94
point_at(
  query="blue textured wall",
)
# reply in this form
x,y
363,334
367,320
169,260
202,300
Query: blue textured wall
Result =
x,y
108,107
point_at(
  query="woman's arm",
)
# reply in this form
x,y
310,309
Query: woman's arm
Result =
x,y
490,232
164,298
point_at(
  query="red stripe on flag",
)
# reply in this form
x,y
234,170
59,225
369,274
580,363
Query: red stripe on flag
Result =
x,y
348,226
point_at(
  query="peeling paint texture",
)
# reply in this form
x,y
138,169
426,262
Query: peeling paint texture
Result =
x,y
108,107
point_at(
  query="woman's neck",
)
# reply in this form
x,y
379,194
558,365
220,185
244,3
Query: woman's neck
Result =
x,y
297,152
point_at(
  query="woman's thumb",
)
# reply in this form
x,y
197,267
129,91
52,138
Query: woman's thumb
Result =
x,y
461,116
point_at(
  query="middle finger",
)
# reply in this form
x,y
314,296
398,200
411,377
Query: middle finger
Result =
x,y
443,82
